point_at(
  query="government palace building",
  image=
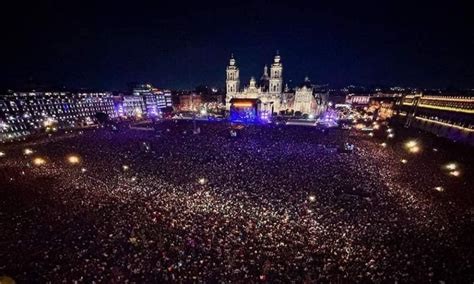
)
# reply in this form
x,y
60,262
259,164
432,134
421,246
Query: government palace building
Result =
x,y
274,95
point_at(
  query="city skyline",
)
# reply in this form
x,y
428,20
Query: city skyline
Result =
x,y
181,46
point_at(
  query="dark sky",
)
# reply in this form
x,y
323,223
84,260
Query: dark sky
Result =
x,y
180,45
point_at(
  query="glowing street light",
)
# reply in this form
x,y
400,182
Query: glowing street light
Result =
x,y
27,151
39,161
73,159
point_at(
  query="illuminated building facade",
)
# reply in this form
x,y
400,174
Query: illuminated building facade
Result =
x,y
270,91
190,102
23,113
447,116
146,100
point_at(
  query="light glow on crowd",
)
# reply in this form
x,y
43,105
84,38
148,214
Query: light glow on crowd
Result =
x,y
27,151
74,159
451,166
439,188
455,173
412,146
38,161
414,149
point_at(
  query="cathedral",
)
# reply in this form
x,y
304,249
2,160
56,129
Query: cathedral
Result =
x,y
270,90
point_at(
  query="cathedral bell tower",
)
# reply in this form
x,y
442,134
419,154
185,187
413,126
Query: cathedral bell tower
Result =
x,y
232,79
276,76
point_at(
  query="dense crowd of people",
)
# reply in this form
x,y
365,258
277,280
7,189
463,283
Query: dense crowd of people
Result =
x,y
272,204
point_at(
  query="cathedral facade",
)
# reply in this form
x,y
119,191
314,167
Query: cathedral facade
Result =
x,y
270,90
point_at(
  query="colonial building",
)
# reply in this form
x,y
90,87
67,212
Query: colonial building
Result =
x,y
269,90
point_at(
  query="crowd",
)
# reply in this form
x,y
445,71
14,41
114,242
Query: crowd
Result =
x,y
271,204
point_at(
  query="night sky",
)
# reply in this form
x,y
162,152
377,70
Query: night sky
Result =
x,y
180,45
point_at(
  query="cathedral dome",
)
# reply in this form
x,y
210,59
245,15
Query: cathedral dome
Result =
x,y
306,83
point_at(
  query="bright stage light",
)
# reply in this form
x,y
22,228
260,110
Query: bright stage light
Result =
x,y
311,116
73,159
39,161
203,111
27,151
